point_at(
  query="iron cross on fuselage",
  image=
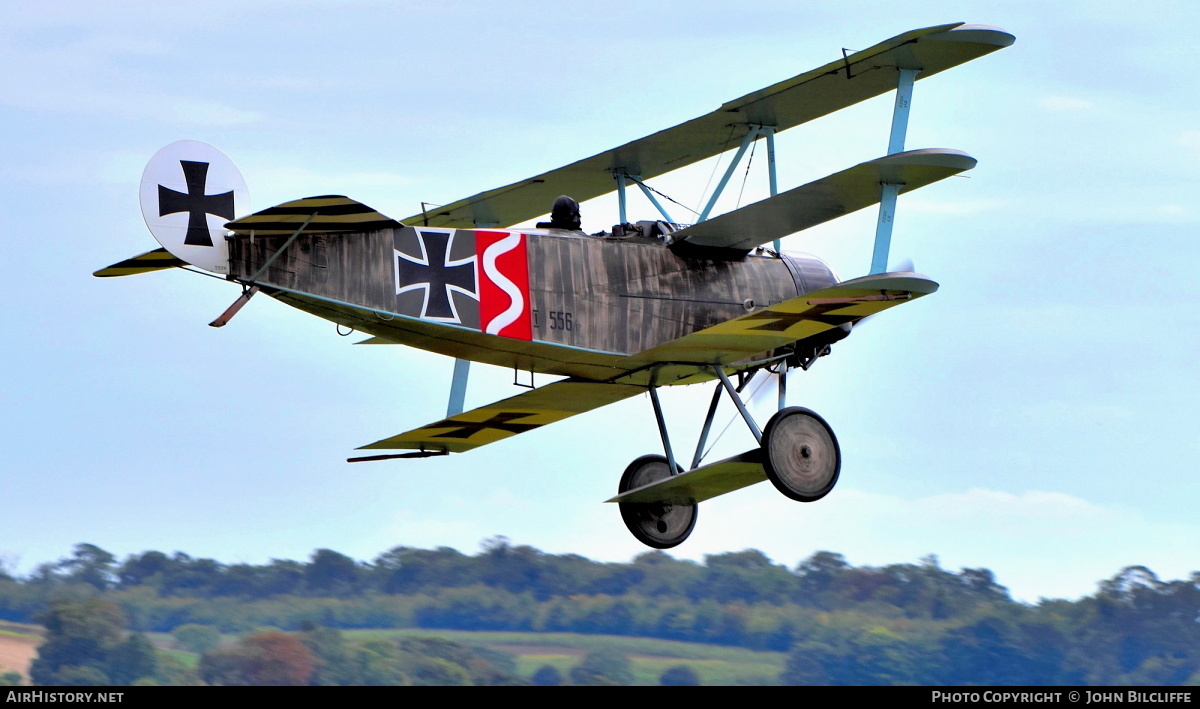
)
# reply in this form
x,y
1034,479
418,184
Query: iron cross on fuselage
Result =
x,y
197,204
437,274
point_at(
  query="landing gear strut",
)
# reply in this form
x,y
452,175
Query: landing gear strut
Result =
x,y
797,452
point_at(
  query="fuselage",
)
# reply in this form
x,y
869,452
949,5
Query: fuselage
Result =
x,y
537,300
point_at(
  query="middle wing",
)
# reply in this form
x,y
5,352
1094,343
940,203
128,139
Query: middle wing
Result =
x,y
820,201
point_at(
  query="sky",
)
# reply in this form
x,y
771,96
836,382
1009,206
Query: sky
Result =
x,y
1037,416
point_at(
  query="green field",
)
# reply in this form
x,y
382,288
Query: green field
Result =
x,y
649,657
20,630
714,664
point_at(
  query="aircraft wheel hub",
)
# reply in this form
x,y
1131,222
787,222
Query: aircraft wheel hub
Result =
x,y
661,525
800,454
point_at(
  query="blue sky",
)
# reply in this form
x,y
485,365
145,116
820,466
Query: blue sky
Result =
x,y
1036,416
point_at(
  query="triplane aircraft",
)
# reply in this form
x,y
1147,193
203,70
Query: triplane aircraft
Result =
x,y
650,304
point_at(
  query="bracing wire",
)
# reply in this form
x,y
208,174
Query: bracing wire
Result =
x,y
664,196
746,176
198,272
720,156
733,418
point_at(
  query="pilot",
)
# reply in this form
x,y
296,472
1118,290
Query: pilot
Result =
x,y
563,215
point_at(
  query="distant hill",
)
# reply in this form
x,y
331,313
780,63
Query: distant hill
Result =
x,y
838,623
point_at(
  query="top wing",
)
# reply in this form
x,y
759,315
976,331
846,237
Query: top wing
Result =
x,y
837,85
818,202
503,419
327,214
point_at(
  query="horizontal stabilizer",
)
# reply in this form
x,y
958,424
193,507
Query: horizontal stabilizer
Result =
x,y
702,483
827,198
839,84
156,260
503,419
784,323
328,214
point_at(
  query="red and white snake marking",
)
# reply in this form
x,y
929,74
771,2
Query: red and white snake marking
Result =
x,y
516,304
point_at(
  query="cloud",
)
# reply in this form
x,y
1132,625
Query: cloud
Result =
x,y
204,112
98,97
1065,103
379,189
84,167
103,75
292,83
1052,414
964,207
1190,139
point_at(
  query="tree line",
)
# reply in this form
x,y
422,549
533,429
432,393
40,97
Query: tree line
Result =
x,y
842,624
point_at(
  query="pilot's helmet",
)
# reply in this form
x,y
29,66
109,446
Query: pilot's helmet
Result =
x,y
565,213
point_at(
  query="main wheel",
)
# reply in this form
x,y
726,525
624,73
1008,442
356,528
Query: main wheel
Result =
x,y
656,524
800,454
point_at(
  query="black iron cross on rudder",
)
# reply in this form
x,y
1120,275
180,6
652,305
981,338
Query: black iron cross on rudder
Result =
x,y
197,204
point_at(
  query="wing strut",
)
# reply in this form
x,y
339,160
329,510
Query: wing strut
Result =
x,y
751,136
737,401
621,177
458,387
890,190
673,468
755,131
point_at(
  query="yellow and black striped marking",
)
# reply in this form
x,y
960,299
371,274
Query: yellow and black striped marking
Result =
x,y
333,214
155,260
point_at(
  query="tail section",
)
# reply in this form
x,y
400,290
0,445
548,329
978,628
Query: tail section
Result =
x,y
156,260
189,191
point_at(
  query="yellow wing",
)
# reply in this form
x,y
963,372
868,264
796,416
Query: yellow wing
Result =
x,y
156,260
504,419
756,334
687,358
